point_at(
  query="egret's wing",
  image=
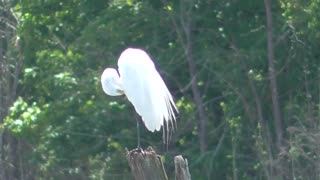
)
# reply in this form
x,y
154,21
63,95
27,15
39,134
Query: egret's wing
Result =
x,y
145,89
110,82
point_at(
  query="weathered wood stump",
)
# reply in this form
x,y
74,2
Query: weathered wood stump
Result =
x,y
147,165
181,168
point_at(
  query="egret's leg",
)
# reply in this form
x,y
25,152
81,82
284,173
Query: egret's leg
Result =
x,y
138,133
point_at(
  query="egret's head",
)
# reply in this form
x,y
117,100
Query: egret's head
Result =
x,y
111,83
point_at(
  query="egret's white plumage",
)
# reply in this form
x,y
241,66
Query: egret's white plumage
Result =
x,y
142,84
111,83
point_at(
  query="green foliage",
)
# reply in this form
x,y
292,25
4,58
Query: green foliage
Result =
x,y
75,131
23,119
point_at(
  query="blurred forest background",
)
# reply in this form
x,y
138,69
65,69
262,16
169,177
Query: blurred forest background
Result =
x,y
245,76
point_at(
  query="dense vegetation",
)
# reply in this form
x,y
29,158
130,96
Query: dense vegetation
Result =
x,y
245,76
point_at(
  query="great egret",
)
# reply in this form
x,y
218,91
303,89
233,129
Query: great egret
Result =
x,y
141,83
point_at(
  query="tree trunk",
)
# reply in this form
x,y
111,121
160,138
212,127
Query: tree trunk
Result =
x,y
2,171
186,23
197,99
183,30
10,66
272,76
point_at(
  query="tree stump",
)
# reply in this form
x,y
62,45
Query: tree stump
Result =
x,y
181,168
147,165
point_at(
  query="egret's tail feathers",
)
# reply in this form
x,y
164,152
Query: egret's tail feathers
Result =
x,y
167,131
168,128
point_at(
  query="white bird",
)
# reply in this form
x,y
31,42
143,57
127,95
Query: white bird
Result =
x,y
141,83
